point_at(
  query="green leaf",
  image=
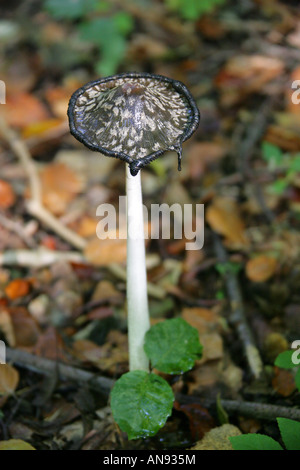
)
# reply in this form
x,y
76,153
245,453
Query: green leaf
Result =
x,y
295,163
141,403
271,153
279,186
124,22
193,9
284,360
15,444
254,442
290,433
173,346
70,9
104,33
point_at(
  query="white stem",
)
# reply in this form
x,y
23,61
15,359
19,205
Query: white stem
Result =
x,y
137,298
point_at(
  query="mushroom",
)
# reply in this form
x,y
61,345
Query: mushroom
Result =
x,y
135,117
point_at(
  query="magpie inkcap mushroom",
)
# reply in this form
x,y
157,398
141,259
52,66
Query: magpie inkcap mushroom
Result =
x,y
135,117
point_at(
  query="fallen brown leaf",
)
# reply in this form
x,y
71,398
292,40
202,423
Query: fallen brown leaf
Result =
x,y
105,252
223,216
7,195
23,109
9,380
17,288
261,268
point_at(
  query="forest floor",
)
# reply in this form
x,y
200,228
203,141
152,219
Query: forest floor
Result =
x,y
63,291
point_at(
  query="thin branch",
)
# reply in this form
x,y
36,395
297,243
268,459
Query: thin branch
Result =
x,y
34,205
17,228
38,258
257,410
238,316
45,366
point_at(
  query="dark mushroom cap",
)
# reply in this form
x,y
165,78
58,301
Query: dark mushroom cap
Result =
x,y
133,116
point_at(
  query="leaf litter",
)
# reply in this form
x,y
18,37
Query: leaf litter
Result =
x,y
234,58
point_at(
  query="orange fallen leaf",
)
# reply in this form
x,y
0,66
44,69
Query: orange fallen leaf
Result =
x,y
58,99
37,129
7,195
261,268
283,382
223,216
105,252
60,184
87,226
23,108
244,74
203,319
17,288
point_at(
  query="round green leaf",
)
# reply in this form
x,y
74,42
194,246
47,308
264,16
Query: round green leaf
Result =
x,y
290,433
173,346
284,360
254,442
141,403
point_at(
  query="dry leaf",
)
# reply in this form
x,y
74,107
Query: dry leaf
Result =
x,y
223,217
9,380
218,438
6,326
60,185
17,288
15,444
25,327
41,128
283,382
261,268
245,74
58,99
203,319
105,252
202,155
7,195
23,109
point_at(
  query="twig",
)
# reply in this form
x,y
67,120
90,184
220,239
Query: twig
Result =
x,y
17,228
245,408
45,366
238,316
34,205
38,258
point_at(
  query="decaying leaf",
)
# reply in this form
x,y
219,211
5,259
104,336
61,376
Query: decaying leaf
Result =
x,y
7,195
60,184
15,444
9,380
105,252
261,268
17,288
218,438
223,216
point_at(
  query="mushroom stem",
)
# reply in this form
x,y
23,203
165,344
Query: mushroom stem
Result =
x,y
137,298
